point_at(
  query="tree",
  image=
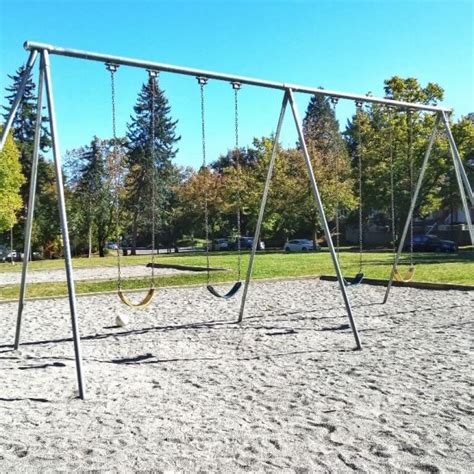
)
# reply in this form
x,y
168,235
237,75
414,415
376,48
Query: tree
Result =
x,y
91,192
11,180
146,159
378,133
46,225
330,162
24,123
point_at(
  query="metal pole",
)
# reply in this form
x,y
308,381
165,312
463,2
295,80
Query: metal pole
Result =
x,y
412,206
19,95
455,153
107,58
467,211
322,215
31,204
263,203
64,226
457,167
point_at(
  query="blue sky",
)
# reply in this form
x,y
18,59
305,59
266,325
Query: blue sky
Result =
x,y
346,45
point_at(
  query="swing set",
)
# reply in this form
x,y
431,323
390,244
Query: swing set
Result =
x,y
44,51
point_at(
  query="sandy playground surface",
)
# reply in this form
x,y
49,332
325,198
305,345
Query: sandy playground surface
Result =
x,y
183,388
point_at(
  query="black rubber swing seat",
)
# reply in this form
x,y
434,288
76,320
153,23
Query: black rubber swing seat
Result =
x,y
227,295
357,280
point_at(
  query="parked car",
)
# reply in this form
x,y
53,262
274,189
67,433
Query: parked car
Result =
x,y
246,243
8,255
298,245
220,244
111,246
431,243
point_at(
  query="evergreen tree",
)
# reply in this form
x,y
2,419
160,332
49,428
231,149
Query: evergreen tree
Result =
x,y
330,161
144,156
46,225
24,123
92,199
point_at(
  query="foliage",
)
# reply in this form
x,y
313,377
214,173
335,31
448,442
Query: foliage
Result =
x,y
11,180
382,138
92,200
46,224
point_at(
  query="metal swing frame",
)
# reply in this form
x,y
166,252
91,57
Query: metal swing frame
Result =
x,y
45,81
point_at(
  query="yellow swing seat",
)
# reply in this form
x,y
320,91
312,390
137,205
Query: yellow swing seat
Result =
x,y
141,304
408,275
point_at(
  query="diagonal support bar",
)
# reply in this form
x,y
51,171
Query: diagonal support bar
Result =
x,y
19,95
263,203
64,224
322,216
457,163
31,204
412,206
457,158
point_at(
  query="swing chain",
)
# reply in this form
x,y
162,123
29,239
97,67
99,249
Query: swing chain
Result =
x,y
202,81
334,101
114,170
152,75
359,166
392,183
410,159
236,86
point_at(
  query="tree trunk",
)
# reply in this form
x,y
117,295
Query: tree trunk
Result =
x,y
134,234
90,241
101,242
315,238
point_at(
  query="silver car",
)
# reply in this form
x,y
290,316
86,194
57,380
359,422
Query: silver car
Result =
x,y
298,245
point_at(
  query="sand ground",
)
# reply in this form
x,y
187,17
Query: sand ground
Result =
x,y
183,388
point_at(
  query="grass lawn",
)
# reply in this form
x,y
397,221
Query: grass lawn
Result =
x,y
430,267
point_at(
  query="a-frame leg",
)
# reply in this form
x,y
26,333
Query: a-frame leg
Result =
x,y
461,177
322,216
64,224
263,203
19,95
31,204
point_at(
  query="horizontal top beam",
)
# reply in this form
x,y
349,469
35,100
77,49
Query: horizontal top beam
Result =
x,y
106,58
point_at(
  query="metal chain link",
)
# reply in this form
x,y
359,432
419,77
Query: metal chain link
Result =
x,y
410,158
236,87
359,165
392,182
152,76
334,101
114,172
202,81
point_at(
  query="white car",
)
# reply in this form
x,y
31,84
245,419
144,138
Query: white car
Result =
x,y
298,245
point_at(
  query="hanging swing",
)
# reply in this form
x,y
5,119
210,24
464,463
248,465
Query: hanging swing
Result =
x,y
410,273
202,81
115,172
357,280
359,276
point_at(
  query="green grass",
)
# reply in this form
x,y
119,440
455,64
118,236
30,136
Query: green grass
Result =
x,y
431,267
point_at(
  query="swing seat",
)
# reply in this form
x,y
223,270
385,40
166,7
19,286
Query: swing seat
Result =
x,y
357,280
141,304
408,276
227,295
